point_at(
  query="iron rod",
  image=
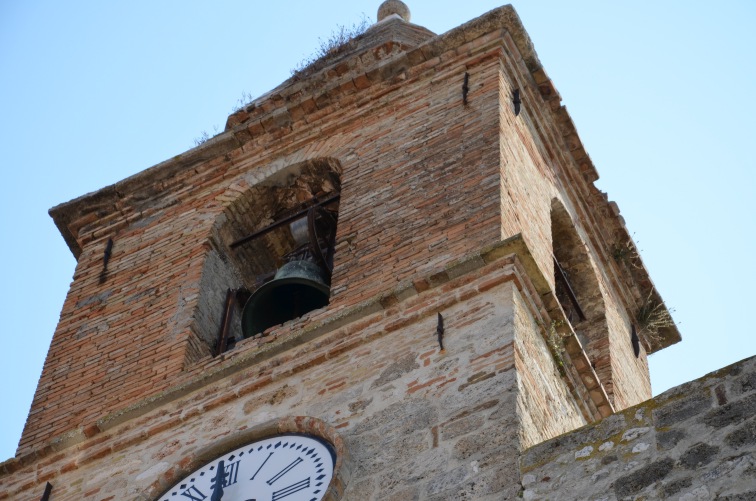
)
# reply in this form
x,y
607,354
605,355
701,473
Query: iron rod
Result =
x,y
562,277
283,221
223,335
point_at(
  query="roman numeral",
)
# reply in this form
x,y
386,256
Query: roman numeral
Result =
x,y
194,494
302,484
260,468
285,471
231,472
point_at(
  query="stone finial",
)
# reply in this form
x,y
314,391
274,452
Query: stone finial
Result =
x,y
390,7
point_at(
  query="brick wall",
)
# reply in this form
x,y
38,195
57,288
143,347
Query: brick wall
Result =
x,y
695,441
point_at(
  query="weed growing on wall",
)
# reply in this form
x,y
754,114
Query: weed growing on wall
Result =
x,y
556,345
242,102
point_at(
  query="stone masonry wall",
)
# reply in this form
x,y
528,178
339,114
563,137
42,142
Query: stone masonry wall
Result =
x,y
694,442
410,421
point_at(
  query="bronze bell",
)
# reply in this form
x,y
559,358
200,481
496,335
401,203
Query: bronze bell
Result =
x,y
298,287
302,284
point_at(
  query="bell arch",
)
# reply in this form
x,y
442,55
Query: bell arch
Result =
x,y
577,288
258,232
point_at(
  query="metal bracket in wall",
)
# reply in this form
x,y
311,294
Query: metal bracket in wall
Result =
x,y
635,340
516,101
46,494
465,88
105,259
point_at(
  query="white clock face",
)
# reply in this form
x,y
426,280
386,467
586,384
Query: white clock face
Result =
x,y
282,468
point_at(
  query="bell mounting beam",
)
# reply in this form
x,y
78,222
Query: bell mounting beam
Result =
x,y
288,219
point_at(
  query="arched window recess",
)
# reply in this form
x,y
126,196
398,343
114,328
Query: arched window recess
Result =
x,y
272,246
577,289
304,238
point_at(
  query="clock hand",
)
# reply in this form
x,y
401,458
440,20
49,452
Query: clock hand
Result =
x,y
220,477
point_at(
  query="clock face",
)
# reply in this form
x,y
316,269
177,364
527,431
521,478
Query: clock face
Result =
x,y
285,468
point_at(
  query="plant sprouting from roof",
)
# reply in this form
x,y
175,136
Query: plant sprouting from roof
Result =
x,y
627,253
205,136
242,102
339,38
652,317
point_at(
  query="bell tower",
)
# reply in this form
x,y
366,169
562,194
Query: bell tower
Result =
x,y
383,280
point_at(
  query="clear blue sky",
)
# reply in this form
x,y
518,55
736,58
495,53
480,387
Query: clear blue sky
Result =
x,y
662,94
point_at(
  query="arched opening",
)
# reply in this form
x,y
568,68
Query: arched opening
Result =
x,y
271,246
577,289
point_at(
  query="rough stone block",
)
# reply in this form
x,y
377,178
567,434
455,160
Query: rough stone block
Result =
x,y
743,436
675,486
676,411
640,479
732,413
667,440
699,455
